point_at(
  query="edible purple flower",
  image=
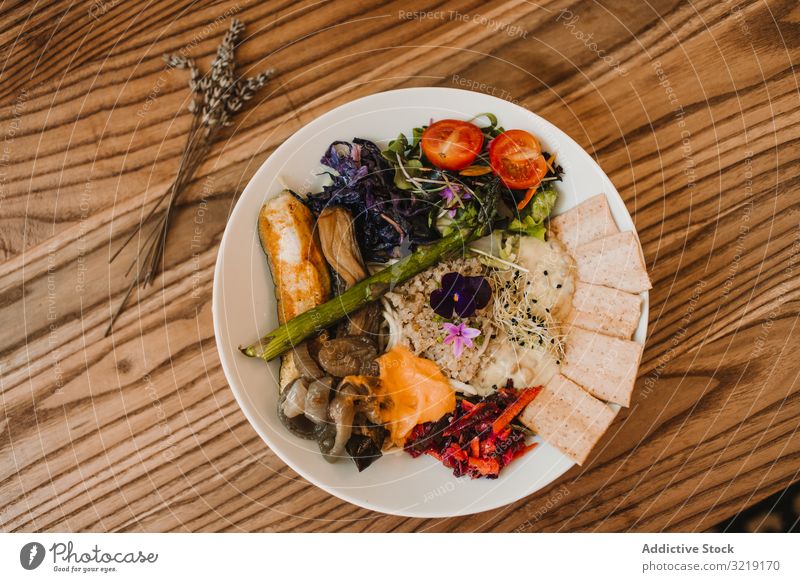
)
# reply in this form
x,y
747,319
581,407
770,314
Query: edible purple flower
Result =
x,y
460,336
460,295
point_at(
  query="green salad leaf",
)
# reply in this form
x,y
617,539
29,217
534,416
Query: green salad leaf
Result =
x,y
531,220
402,159
493,129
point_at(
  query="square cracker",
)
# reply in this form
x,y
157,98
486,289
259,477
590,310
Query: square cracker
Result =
x,y
609,311
584,223
614,261
605,366
568,418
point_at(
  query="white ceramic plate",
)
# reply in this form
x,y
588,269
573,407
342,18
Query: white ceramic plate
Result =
x,y
244,303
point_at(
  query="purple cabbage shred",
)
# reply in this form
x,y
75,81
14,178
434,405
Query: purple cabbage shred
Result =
x,y
390,222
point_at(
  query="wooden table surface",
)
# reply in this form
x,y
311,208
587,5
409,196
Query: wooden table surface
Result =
x,y
690,107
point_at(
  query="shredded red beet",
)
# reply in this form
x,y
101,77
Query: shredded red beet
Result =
x,y
466,442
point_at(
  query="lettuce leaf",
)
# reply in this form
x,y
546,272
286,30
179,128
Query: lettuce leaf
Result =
x,y
530,221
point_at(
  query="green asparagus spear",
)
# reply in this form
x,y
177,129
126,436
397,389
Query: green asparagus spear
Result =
x,y
313,321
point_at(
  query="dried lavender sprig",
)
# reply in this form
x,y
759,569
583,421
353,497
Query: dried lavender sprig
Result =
x,y
222,68
216,98
244,90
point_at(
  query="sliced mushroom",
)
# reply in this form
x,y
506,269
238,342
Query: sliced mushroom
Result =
x,y
368,409
365,321
326,439
376,432
348,355
294,398
338,241
341,412
316,404
299,362
340,247
306,366
363,450
298,425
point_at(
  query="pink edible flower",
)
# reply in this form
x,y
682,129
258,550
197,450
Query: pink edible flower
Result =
x,y
460,336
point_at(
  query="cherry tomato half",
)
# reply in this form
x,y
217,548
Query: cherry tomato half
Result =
x,y
451,144
516,157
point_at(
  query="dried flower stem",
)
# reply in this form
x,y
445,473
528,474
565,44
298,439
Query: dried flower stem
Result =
x,y
216,98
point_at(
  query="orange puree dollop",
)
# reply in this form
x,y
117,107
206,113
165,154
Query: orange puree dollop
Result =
x,y
413,390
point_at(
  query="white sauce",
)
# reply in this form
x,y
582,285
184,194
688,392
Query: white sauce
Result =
x,y
525,367
551,283
551,277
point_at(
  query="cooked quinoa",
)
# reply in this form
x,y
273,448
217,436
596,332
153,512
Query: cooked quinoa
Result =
x,y
421,329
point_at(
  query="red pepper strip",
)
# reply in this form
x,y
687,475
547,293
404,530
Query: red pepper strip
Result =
x,y
476,171
528,197
467,405
484,466
475,445
455,452
504,435
514,409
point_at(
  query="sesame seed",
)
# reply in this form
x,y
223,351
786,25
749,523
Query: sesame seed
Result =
x,y
545,273
558,286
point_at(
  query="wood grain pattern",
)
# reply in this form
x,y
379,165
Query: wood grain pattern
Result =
x,y
691,108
